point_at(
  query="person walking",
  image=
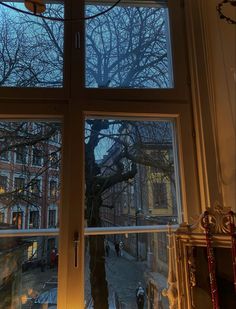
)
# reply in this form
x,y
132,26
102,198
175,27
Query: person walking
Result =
x,y
117,248
140,296
107,248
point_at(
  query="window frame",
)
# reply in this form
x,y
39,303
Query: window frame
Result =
x,y
179,92
102,102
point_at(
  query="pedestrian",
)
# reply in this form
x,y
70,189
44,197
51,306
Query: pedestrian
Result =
x,y
121,245
107,248
53,258
140,296
117,248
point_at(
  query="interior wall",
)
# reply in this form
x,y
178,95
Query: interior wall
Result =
x,y
222,51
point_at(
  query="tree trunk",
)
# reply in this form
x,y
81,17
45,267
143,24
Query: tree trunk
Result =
x,y
99,289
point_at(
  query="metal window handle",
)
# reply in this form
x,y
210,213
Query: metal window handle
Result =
x,y
76,247
77,40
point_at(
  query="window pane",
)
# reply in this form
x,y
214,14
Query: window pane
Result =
x,y
129,46
31,48
28,276
131,172
28,196
133,270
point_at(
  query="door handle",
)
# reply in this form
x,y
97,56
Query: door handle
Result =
x,y
76,248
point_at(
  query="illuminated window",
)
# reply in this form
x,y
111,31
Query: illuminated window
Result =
x,y
33,251
17,219
3,184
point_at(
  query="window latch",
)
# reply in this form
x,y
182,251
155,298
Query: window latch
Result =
x,y
76,248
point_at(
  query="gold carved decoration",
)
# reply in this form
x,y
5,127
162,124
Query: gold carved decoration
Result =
x,y
171,292
219,220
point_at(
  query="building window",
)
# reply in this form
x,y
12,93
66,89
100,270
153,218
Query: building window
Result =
x,y
34,219
37,157
3,154
54,160
35,186
53,188
3,184
160,195
33,250
19,184
136,56
17,219
52,218
2,217
21,154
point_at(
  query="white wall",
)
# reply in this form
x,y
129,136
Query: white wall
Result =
x,y
222,51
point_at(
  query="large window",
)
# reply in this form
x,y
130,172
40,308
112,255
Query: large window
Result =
x,y
121,190
129,46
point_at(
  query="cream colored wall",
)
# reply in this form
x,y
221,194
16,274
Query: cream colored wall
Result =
x,y
222,51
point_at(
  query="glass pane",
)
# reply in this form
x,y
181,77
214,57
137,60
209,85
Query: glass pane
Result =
x,y
126,271
29,201
129,46
28,277
31,48
131,172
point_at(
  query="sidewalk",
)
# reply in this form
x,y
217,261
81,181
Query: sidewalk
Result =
x,y
123,274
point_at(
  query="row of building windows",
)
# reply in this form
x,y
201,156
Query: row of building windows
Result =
x,y
33,186
17,218
35,157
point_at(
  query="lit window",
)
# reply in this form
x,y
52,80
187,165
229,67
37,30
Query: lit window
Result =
x,y
53,188
33,251
3,184
17,219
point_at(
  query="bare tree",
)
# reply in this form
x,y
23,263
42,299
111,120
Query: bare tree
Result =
x,y
31,49
127,48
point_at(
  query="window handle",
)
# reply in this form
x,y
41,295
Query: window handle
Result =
x,y
76,247
77,40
